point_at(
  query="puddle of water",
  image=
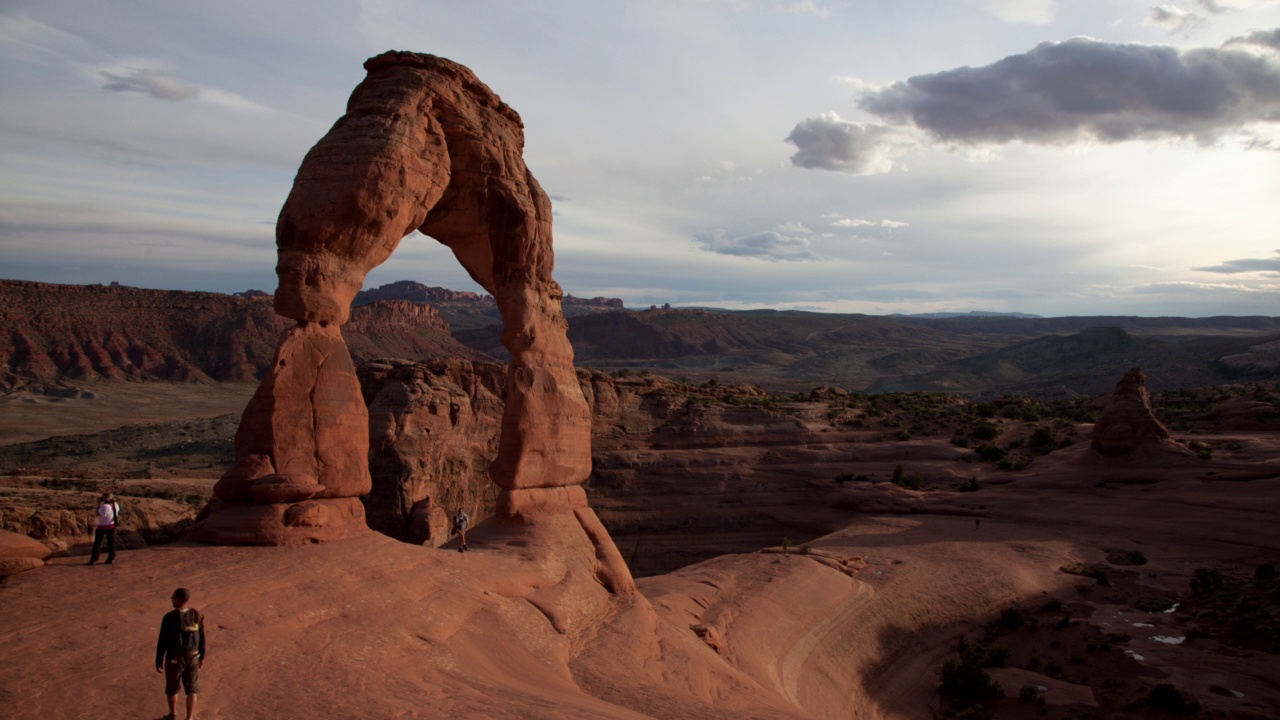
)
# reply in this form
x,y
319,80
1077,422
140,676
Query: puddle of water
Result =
x,y
1168,639
1134,655
1170,610
1143,625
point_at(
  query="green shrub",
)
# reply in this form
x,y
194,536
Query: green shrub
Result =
x,y
985,431
970,485
967,682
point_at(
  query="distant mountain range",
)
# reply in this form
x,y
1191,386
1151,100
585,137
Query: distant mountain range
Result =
x,y
59,332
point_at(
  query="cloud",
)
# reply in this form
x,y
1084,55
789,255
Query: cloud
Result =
x,y
1247,265
858,222
826,142
1268,39
773,246
1083,89
150,82
1023,12
802,7
1174,18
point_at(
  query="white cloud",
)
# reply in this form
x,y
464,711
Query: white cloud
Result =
x,y
150,82
829,143
1174,18
773,246
802,7
858,222
1023,12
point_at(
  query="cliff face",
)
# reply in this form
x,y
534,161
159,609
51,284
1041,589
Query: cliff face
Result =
x,y
51,333
74,332
679,473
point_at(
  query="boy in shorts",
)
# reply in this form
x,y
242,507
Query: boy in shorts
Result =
x,y
180,652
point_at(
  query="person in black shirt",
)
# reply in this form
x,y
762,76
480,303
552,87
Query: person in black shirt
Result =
x,y
180,652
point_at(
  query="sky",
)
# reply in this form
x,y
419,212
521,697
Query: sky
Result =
x,y
1038,156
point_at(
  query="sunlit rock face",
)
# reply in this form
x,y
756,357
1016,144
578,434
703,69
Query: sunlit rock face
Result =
x,y
423,145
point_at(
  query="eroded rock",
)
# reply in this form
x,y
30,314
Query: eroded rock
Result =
x,y
424,145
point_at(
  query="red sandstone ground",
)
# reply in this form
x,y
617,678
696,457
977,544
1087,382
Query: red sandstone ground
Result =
x,y
370,627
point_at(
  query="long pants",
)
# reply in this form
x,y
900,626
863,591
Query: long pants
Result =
x,y
110,535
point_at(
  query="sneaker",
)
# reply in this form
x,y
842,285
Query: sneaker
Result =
x,y
460,549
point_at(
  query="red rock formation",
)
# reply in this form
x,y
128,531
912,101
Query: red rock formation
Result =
x,y
19,553
424,145
1127,422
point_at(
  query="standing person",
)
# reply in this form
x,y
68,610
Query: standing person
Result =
x,y
108,514
460,523
180,652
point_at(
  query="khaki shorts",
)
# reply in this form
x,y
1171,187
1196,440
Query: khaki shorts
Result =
x,y
184,669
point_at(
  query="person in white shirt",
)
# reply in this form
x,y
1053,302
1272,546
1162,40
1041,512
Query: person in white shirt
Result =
x,y
108,516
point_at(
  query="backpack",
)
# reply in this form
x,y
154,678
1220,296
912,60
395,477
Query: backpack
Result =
x,y
188,641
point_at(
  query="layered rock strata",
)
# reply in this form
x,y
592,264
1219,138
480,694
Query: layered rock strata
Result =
x,y
424,145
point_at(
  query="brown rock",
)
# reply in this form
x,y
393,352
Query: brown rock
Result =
x,y
285,488
13,545
1127,421
19,553
423,145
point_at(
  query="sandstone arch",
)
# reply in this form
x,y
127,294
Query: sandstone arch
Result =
x,y
423,145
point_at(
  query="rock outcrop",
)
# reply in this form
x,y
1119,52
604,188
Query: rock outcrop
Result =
x,y
433,429
424,145
1127,422
19,553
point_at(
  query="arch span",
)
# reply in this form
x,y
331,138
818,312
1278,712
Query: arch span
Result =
x,y
423,145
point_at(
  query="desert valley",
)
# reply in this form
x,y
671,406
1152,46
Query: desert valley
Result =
x,y
678,512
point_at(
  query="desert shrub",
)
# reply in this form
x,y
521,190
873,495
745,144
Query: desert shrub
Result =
x,y
996,656
1011,619
910,481
960,441
1167,698
1205,580
622,372
985,410
903,435
1029,694
1010,411
1042,439
1014,462
991,453
970,485
985,431
966,682
1054,605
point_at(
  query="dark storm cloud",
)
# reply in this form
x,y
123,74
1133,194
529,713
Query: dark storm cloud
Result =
x,y
1246,265
1260,38
149,82
826,142
1083,89
771,246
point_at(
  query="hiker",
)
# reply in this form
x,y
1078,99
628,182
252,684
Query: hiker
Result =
x,y
180,652
108,514
460,523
